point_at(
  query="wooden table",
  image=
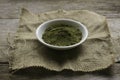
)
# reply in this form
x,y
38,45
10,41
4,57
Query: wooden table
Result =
x,y
9,18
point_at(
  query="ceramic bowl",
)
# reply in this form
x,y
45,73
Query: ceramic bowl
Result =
x,y
40,30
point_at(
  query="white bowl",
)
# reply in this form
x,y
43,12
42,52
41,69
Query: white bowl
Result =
x,y
40,30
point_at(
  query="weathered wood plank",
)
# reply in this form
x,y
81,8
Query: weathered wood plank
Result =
x,y
7,10
6,26
112,73
11,8
4,72
114,25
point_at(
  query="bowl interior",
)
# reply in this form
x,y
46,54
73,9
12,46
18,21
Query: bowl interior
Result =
x,y
47,24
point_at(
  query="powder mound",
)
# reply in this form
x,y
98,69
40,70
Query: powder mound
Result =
x,y
62,35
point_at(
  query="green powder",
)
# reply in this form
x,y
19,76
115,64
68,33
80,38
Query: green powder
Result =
x,y
62,35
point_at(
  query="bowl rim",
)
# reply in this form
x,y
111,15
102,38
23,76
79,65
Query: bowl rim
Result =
x,y
61,47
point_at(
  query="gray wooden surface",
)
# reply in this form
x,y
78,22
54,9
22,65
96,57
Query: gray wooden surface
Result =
x,y
9,18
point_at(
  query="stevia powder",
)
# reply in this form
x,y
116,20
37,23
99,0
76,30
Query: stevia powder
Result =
x,y
62,35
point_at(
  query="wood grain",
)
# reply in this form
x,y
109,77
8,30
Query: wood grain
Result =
x,y
111,73
4,72
11,8
6,26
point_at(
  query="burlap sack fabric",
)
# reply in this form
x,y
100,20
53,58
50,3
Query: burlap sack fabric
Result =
x,y
95,53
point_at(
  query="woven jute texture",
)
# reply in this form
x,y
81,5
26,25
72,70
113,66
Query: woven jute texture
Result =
x,y
95,53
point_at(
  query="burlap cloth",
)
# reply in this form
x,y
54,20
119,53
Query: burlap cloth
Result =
x,y
95,53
